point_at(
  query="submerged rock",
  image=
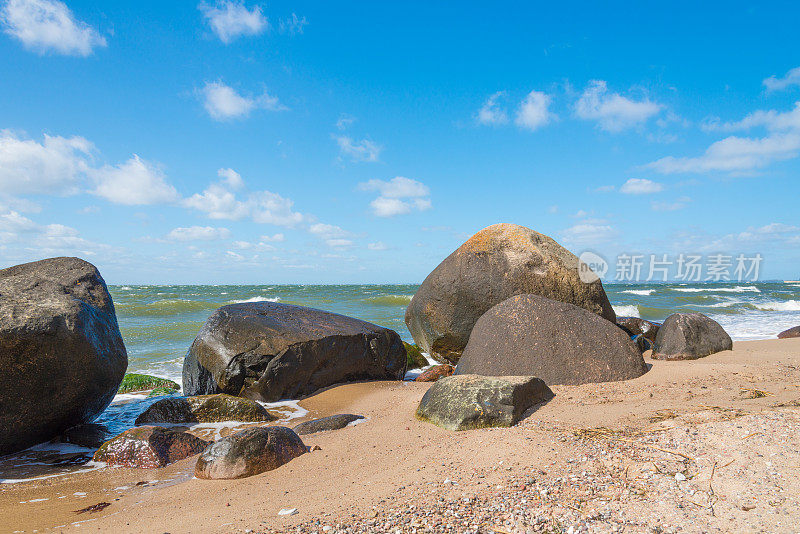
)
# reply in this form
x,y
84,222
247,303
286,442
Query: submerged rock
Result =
x,y
635,326
61,352
689,336
792,332
249,452
464,402
435,373
90,435
149,447
333,422
414,357
498,262
204,409
137,382
269,351
529,335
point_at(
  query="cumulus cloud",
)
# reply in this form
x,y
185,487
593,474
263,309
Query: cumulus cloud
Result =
x,y
397,196
44,239
222,102
198,233
612,111
230,20
54,166
791,78
640,186
135,182
48,26
364,150
772,120
588,232
533,112
377,246
491,114
231,178
334,236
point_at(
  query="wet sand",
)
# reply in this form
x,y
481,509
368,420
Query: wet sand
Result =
x,y
364,476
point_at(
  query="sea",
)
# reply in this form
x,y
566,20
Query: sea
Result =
x,y
159,323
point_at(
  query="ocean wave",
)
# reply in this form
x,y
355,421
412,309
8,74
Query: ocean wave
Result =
x,y
628,310
788,305
165,307
737,289
390,300
641,292
257,299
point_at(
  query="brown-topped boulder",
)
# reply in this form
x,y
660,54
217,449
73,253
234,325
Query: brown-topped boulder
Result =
x,y
249,452
204,409
689,336
270,351
61,352
635,326
498,262
435,373
529,335
149,447
332,422
465,402
792,332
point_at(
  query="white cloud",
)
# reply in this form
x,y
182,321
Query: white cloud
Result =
x,y
198,233
275,238
218,203
734,154
135,182
612,111
364,150
671,206
293,25
772,120
44,239
777,84
54,166
491,113
48,26
231,178
222,102
377,246
229,19
397,196
334,236
640,186
589,232
533,111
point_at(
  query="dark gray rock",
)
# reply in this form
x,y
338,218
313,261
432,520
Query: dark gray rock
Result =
x,y
204,409
269,351
792,332
333,422
498,262
642,343
689,336
529,335
635,326
61,352
464,402
90,435
249,452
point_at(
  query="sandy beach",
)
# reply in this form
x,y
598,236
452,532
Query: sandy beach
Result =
x,y
707,445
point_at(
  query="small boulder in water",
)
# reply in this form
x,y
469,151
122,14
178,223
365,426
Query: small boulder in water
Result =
x,y
249,452
635,326
149,447
414,356
792,332
333,422
464,402
435,373
689,336
642,343
133,382
204,409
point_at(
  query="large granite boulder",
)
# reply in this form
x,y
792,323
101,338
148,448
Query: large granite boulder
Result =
x,y
332,422
529,335
204,409
791,332
149,447
498,262
61,352
249,452
269,351
635,326
689,336
464,402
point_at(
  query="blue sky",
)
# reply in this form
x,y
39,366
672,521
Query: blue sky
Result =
x,y
363,142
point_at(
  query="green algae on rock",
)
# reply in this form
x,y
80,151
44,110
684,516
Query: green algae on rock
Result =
x,y
137,382
204,409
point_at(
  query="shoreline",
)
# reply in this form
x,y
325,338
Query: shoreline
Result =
x,y
391,459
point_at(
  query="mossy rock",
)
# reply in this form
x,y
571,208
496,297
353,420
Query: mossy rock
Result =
x,y
204,409
414,356
162,391
136,382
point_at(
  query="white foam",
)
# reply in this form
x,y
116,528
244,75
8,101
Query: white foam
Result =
x,y
737,289
256,299
291,409
126,397
88,466
788,305
641,292
627,310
